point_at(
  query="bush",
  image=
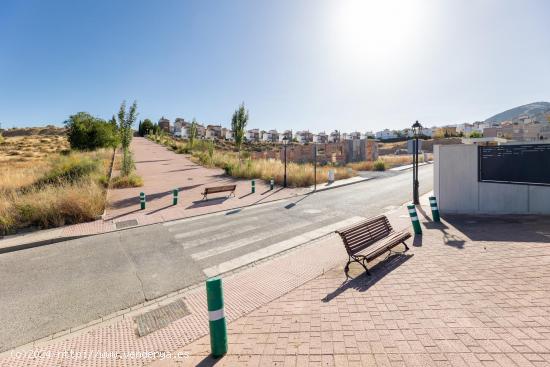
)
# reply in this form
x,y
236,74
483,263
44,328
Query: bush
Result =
x,y
131,180
52,206
69,168
379,165
86,132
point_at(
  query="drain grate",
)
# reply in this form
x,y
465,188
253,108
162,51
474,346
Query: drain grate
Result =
x,y
126,223
161,317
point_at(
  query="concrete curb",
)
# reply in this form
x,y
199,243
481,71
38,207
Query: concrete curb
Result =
x,y
50,241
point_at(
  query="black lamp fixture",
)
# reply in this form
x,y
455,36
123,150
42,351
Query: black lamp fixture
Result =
x,y
285,143
417,131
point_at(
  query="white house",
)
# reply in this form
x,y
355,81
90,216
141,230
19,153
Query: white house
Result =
x,y
385,134
320,138
253,135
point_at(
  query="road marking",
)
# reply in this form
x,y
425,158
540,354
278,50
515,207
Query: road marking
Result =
x,y
278,247
199,217
249,240
184,232
217,237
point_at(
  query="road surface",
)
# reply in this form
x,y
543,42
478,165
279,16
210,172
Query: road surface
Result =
x,y
49,289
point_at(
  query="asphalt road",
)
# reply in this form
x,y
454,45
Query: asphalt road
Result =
x,y
49,289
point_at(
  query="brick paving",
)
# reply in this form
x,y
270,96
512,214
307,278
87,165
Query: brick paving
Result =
x,y
163,171
471,292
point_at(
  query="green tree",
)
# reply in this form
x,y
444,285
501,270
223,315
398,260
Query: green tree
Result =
x,y
126,121
86,132
192,133
146,127
238,125
476,134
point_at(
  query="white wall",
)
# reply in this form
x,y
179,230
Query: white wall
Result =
x,y
458,191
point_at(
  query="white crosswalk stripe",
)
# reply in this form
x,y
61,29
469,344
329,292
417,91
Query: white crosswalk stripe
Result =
x,y
208,229
278,247
265,232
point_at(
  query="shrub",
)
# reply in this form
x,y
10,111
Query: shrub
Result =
x,y
131,180
86,132
52,206
379,165
69,169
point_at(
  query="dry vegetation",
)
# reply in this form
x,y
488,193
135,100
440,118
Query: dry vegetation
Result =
x,y
39,187
385,162
242,166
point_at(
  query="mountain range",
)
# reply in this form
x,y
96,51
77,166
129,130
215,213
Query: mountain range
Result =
x,y
538,111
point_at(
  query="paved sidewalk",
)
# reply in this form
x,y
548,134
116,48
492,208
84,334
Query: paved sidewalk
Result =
x,y
471,292
163,171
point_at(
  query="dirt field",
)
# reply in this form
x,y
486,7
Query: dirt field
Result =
x,y
19,150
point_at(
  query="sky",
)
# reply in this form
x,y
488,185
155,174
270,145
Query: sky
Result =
x,y
296,64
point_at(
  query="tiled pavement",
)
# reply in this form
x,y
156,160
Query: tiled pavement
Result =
x,y
472,291
450,301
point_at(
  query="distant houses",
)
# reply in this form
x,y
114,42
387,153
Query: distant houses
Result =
x,y
523,128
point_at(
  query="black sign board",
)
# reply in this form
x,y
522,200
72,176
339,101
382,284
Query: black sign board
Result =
x,y
518,164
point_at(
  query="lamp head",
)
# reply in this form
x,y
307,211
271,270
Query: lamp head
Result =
x,y
417,128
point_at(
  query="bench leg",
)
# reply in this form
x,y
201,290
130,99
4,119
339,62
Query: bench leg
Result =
x,y
346,268
364,266
406,247
361,262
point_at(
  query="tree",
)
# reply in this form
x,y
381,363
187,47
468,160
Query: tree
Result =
x,y
238,125
192,133
86,132
126,120
476,134
146,127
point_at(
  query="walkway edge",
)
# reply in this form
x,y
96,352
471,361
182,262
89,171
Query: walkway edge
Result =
x,y
50,241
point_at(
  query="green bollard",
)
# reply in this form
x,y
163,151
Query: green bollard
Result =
x,y
414,219
142,200
216,317
271,184
175,200
435,209
253,186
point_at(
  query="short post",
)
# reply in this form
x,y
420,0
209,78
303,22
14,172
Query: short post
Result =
x,y
175,200
414,219
253,183
271,184
142,200
216,317
435,209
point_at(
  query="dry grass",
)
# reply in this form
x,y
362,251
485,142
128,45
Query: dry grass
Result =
x,y
298,175
132,180
43,188
386,161
30,148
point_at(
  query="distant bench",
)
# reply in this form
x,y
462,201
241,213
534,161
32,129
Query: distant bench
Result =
x,y
369,239
217,189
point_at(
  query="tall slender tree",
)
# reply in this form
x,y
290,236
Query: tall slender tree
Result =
x,y
192,133
238,125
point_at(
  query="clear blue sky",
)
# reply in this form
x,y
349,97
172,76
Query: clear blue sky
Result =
x,y
312,64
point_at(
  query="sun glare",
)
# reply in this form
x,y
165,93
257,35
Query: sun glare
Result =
x,y
373,34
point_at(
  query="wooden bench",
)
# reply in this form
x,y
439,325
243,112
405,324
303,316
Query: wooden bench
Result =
x,y
216,189
369,239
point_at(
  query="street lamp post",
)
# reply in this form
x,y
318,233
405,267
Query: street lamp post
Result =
x,y
285,143
315,167
417,130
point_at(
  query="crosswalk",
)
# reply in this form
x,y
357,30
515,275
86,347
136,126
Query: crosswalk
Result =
x,y
223,242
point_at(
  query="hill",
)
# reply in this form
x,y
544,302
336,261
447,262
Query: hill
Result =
x,y
537,110
48,130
